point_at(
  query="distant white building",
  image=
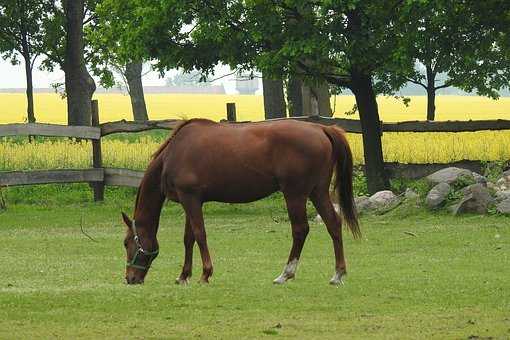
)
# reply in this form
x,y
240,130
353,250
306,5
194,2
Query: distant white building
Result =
x,y
247,85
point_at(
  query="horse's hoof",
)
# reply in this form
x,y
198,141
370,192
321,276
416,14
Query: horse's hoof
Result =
x,y
181,281
279,280
282,279
337,280
203,281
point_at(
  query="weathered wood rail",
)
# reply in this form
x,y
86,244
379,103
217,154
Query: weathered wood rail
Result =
x,y
99,177
11,178
50,130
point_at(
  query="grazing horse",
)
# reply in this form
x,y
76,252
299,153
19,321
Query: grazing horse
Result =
x,y
236,163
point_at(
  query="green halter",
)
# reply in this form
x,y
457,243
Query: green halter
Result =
x,y
141,252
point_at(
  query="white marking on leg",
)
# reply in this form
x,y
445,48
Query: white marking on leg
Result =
x,y
182,282
337,280
288,272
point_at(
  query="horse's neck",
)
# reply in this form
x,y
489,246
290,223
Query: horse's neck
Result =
x,y
150,199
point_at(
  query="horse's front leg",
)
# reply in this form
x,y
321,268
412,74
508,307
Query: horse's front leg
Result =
x,y
193,208
189,242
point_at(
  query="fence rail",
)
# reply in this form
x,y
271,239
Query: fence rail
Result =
x,y
99,176
11,178
50,130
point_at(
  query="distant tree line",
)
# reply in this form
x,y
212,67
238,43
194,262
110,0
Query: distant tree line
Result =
x,y
305,50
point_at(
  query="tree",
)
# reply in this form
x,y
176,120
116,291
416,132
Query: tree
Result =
x,y
107,58
308,99
451,39
354,44
274,99
21,35
344,43
65,46
80,86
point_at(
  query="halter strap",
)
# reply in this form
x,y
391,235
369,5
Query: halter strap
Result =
x,y
152,254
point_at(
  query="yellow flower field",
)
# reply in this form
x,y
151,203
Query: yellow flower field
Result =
x,y
50,108
397,147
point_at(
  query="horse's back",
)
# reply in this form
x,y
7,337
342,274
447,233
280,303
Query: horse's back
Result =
x,y
245,162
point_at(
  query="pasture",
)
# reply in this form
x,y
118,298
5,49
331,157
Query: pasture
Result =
x,y
413,275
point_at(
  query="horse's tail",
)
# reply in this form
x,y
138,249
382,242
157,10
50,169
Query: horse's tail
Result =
x,y
343,182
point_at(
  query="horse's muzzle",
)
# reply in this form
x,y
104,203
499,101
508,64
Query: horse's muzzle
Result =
x,y
131,280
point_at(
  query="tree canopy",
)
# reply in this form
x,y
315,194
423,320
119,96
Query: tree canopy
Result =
x,y
21,36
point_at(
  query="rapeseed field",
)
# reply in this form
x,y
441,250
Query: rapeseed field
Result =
x,y
51,108
134,153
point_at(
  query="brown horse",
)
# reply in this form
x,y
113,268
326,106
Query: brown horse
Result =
x,y
206,161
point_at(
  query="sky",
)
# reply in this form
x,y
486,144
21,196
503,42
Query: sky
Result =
x,y
13,76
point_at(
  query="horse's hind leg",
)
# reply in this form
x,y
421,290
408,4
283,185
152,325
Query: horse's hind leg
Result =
x,y
193,208
189,241
322,203
296,206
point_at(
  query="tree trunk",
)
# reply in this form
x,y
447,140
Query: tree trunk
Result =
x,y
431,94
274,100
79,84
362,88
295,97
323,99
431,103
134,79
30,86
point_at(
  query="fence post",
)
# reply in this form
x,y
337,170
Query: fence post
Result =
x,y
97,159
231,112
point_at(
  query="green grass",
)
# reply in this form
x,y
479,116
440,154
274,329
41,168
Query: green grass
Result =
x,y
451,280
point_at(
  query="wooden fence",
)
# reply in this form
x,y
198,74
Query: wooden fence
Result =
x,y
98,176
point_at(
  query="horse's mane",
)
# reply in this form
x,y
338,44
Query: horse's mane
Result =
x,y
174,133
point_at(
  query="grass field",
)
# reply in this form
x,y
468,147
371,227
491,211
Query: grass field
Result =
x,y
449,281
50,108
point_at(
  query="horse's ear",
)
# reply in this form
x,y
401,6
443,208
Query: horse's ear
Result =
x,y
127,220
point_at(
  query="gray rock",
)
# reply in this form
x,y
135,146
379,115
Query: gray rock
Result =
x,y
503,207
503,183
476,200
448,175
506,173
382,199
502,195
437,195
410,194
363,204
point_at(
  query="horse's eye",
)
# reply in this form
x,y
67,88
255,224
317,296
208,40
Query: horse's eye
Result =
x,y
125,243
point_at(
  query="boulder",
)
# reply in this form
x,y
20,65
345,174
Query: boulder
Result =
x,y
503,207
503,183
476,200
501,195
382,199
437,195
449,175
362,204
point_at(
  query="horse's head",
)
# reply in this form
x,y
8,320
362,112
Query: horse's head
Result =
x,y
140,251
